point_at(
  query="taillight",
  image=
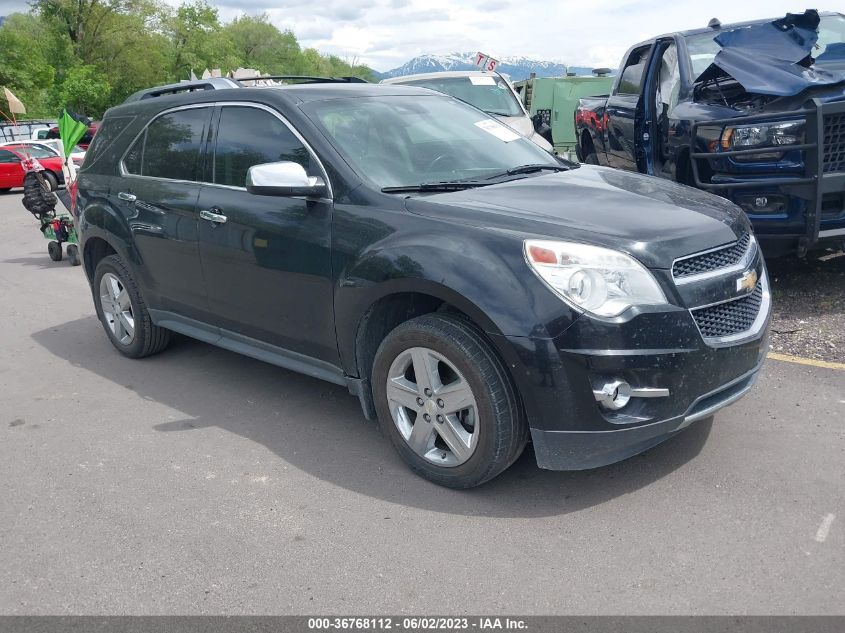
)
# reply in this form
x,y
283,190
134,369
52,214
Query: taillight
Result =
x,y
73,189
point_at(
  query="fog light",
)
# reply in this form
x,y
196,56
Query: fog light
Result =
x,y
613,395
762,203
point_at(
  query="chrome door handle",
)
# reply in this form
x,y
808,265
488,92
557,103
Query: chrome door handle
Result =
x,y
212,216
127,197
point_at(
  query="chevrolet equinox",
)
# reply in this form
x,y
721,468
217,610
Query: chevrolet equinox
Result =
x,y
473,291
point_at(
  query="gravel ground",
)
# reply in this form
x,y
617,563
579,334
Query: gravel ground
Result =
x,y
809,306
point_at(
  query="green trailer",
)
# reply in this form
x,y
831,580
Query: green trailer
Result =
x,y
555,99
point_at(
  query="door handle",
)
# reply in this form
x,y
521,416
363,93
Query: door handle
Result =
x,y
213,216
127,197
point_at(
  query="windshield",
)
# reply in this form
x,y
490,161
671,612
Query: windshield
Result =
x,y
702,48
486,92
403,141
34,151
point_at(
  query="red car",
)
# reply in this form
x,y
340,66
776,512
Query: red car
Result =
x,y
11,171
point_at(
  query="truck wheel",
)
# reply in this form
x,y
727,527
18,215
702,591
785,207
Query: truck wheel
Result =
x,y
123,312
73,255
54,249
446,401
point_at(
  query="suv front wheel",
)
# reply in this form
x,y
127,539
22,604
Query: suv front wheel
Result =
x,y
446,401
123,312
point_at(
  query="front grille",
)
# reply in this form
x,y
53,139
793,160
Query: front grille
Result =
x,y
834,144
714,260
731,317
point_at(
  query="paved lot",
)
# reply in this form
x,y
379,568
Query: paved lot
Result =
x,y
199,481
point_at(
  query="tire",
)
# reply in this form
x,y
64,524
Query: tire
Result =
x,y
145,338
592,159
51,179
462,357
38,200
5,189
73,255
55,251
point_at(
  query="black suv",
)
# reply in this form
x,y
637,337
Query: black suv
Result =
x,y
471,289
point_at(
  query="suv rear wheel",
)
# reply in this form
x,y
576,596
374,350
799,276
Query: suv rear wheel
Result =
x,y
123,312
446,401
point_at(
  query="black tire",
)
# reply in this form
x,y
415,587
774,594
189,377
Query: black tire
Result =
x,y
503,432
148,338
38,200
51,180
591,159
5,189
55,251
73,255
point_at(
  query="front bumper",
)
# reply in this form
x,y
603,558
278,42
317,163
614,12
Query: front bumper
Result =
x,y
657,350
803,189
580,450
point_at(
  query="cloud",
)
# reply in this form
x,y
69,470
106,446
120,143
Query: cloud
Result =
x,y
386,33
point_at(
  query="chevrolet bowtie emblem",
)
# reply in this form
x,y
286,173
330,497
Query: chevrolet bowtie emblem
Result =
x,y
747,282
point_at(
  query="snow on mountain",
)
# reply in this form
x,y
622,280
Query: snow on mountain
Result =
x,y
516,67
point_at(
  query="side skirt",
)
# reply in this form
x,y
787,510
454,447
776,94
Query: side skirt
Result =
x,y
260,350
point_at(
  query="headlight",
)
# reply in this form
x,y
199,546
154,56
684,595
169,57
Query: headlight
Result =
x,y
774,134
593,279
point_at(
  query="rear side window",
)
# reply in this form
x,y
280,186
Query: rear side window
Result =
x,y
8,157
109,130
170,147
250,136
631,81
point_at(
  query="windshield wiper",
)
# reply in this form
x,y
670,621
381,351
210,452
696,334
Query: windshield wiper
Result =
x,y
444,185
505,114
529,169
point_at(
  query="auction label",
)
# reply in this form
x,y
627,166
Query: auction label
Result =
x,y
414,623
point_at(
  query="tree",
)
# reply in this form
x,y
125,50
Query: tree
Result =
x,y
198,40
85,91
259,44
25,66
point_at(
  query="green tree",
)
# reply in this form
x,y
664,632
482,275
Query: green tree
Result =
x,y
198,40
25,64
85,91
259,44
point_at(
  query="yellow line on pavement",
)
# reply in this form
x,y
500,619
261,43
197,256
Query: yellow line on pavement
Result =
x,y
787,358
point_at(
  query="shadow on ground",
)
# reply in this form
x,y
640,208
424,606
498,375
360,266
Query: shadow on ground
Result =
x,y
318,428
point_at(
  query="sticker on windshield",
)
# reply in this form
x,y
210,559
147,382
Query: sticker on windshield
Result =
x,y
498,130
482,81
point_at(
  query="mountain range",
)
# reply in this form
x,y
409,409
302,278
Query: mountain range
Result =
x,y
517,68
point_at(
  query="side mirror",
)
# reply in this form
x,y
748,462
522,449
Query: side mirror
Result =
x,y
283,179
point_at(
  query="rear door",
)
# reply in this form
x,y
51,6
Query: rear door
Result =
x,y
624,110
159,194
11,172
268,265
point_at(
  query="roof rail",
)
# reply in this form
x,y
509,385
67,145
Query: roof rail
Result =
x,y
212,83
304,79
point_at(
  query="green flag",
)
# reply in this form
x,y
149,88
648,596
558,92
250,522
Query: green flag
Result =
x,y
71,130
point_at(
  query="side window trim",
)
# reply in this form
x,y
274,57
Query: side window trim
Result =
x,y
285,122
143,132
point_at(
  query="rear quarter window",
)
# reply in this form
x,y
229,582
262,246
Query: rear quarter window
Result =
x,y
110,130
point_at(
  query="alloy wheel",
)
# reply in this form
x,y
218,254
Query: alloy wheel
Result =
x,y
433,407
117,308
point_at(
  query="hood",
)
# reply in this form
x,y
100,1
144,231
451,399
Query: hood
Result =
x,y
652,219
524,126
773,58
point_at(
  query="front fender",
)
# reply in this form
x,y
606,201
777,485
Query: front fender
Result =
x,y
476,278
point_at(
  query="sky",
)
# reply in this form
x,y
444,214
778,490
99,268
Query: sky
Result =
x,y
386,33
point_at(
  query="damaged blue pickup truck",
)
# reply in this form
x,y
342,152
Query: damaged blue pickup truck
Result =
x,y
754,112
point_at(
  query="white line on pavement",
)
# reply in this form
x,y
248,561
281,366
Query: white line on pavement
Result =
x,y
824,528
